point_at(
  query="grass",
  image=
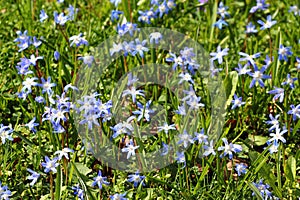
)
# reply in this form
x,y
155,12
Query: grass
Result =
x,y
207,177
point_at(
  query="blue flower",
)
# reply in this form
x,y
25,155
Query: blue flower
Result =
x,y
273,121
273,147
36,43
229,149
56,55
181,110
47,85
194,103
144,111
5,133
295,111
201,137
249,58
209,149
295,10
90,119
31,125
43,16
131,79
5,193
165,149
100,180
34,176
220,23
279,94
28,83
185,138
240,169
39,99
23,66
60,19
57,115
284,52
214,71
178,61
171,4
23,40
166,128
34,59
260,5
78,40
144,17
22,95
130,149
180,158
190,94
258,76
140,47
123,127
78,192
237,102
71,12
118,196
115,15
222,10
64,153
250,28
136,179
117,48
243,70
162,9
88,60
70,86
185,77
219,54
269,23
268,61
155,37
289,81
263,189
125,28
116,2
277,136
298,64
50,165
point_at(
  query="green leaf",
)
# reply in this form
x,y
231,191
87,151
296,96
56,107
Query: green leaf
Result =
x,y
290,169
82,168
58,184
258,140
230,84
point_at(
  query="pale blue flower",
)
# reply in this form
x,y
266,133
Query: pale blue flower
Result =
x,y
219,54
268,24
130,149
240,169
229,149
136,179
43,16
34,177
31,125
50,165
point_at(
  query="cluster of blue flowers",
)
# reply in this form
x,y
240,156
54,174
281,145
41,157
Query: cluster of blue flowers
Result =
x,y
158,9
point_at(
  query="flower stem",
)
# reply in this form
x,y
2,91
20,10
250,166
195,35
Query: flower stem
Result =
x,y
51,186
